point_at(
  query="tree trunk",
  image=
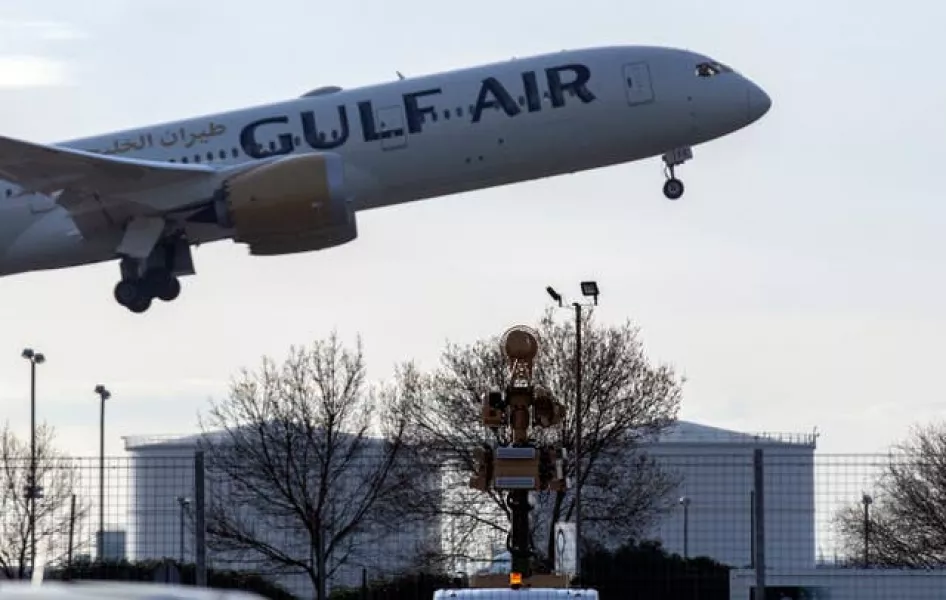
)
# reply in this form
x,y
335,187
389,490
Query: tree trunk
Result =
x,y
320,564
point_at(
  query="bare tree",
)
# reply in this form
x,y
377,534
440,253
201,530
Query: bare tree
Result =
x,y
905,523
307,463
625,400
59,478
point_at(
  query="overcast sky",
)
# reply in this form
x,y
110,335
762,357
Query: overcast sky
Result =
x,y
798,284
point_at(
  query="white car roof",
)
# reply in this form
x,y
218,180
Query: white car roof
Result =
x,y
520,594
98,590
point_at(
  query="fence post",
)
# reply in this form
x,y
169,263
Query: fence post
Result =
x,y
200,525
752,528
72,532
759,510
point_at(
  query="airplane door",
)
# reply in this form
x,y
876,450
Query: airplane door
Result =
x,y
637,83
391,127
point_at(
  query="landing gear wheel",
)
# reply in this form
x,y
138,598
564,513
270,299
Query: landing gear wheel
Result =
x,y
135,295
140,304
673,188
126,292
167,288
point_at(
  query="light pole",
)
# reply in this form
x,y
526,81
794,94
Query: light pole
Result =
x,y
184,501
32,490
866,500
685,502
104,395
588,288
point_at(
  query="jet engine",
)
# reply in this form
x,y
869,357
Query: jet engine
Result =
x,y
294,204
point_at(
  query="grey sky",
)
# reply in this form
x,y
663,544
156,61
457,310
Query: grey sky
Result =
x,y
798,283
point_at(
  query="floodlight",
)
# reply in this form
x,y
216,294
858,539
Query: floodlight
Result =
x,y
555,295
590,288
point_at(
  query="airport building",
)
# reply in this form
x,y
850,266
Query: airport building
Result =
x,y
713,467
162,498
714,515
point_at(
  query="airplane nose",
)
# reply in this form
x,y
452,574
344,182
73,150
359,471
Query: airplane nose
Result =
x,y
757,102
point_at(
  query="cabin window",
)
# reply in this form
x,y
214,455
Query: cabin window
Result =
x,y
210,156
197,158
272,146
223,155
522,100
459,111
184,159
297,140
334,134
236,153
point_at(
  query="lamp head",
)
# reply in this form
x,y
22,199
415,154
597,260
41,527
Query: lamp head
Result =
x,y
590,288
101,391
555,295
33,356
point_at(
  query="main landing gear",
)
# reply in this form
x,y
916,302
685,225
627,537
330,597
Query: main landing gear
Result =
x,y
137,293
673,187
154,276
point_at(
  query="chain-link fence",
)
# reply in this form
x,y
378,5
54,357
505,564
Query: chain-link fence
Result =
x,y
721,524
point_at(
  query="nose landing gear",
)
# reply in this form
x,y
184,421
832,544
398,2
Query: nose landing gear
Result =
x,y
673,187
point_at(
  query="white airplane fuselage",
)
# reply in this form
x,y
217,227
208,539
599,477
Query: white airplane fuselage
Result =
x,y
419,138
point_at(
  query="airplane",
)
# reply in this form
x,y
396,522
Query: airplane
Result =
x,y
290,176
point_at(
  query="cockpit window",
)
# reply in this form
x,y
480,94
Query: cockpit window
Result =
x,y
711,69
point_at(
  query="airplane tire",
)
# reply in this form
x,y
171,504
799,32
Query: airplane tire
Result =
x,y
126,292
673,188
168,289
140,304
133,295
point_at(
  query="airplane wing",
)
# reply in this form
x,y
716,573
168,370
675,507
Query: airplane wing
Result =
x,y
99,191
48,169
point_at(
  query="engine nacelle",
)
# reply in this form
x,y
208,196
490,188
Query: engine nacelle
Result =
x,y
294,204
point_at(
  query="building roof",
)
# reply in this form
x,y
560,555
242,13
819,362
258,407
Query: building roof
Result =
x,y
681,432
138,442
688,432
